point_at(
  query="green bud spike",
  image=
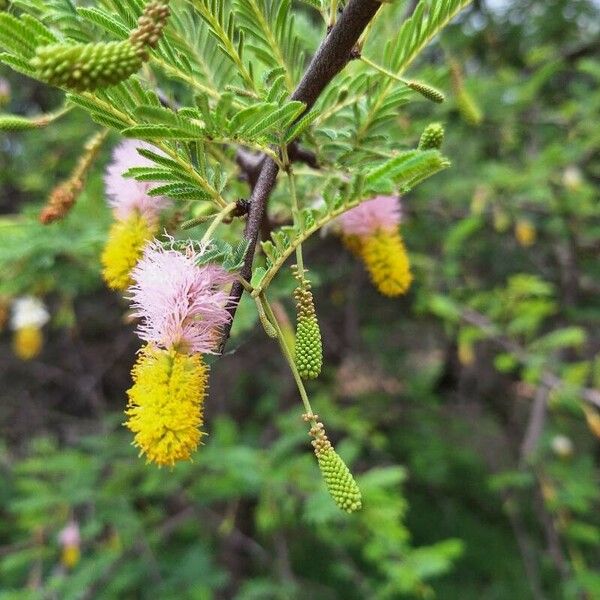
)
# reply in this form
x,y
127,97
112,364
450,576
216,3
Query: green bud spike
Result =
x,y
466,104
150,26
338,478
427,91
468,108
82,67
309,348
339,481
432,138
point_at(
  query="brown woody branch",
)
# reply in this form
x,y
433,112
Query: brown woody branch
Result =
x,y
331,57
547,379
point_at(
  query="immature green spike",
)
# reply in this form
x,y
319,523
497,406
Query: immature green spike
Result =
x,y
432,138
309,348
466,104
427,91
339,481
468,108
338,478
83,67
150,26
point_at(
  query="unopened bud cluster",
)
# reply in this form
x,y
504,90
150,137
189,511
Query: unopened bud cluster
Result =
x,y
82,67
427,91
150,26
63,196
338,479
432,138
309,348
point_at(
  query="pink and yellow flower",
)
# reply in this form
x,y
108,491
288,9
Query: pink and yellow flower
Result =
x,y
371,232
135,210
182,307
181,304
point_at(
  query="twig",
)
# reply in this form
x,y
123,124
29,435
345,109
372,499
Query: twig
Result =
x,y
548,378
331,57
535,426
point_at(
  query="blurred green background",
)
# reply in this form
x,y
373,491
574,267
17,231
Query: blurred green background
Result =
x,y
466,409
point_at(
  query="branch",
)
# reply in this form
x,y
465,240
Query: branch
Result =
x,y
548,378
331,57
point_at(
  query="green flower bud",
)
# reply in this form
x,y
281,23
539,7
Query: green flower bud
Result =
x,y
339,481
309,348
466,104
432,138
82,67
337,476
150,26
427,91
468,108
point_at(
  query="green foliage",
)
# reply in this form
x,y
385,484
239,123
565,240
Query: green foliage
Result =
x,y
162,522
469,409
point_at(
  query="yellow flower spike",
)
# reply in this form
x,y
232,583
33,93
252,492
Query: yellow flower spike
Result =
x,y
28,342
525,233
466,353
124,247
353,244
592,417
165,409
385,257
70,556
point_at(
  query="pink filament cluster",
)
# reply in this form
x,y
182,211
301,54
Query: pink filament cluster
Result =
x,y
180,304
125,194
70,535
382,212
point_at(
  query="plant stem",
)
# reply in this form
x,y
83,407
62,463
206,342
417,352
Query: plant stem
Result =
x,y
333,12
383,70
288,356
216,221
295,207
331,57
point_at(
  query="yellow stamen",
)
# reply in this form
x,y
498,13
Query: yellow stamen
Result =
x,y
124,247
165,404
353,243
70,556
27,342
525,233
385,257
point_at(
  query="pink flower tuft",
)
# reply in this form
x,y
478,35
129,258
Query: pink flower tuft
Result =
x,y
125,194
382,212
180,303
70,535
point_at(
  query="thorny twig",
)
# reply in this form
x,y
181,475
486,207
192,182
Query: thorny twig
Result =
x,y
331,57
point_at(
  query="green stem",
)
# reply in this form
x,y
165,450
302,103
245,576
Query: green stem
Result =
x,y
288,356
295,207
383,70
216,221
333,12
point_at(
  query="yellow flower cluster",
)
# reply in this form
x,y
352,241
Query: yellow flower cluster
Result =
x,y
525,233
70,556
385,257
165,409
124,247
27,342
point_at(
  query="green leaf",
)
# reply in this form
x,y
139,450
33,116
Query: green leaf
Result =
x,y
560,338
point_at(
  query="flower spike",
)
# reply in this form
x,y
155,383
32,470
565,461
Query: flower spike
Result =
x,y
309,347
338,478
84,67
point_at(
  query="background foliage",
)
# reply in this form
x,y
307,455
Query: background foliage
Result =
x,y
466,408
